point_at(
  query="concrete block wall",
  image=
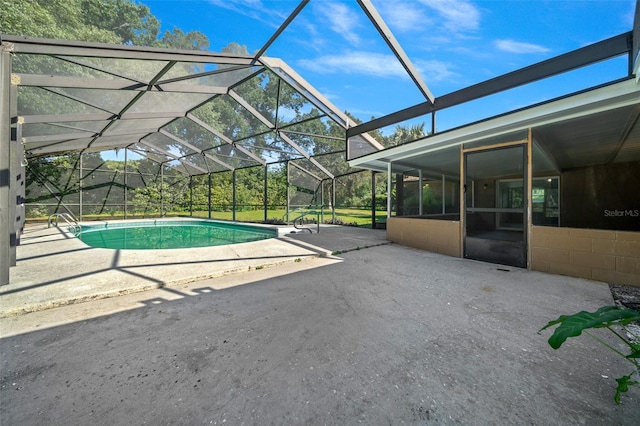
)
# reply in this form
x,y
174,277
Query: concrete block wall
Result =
x,y
439,236
609,256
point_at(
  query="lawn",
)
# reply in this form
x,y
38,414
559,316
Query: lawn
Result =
x,y
356,217
344,216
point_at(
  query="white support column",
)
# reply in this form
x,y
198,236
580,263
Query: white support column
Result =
x,y
528,189
389,185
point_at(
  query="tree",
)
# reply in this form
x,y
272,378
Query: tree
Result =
x,y
132,23
403,134
177,39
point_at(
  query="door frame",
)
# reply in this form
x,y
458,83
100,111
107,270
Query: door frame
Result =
x,y
527,180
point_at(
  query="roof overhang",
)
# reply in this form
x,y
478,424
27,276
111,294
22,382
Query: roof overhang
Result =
x,y
620,94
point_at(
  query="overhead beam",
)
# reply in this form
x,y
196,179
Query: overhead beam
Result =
x,y
223,138
578,58
196,149
282,136
57,138
170,155
607,97
395,47
318,178
600,51
37,80
76,99
89,65
313,135
236,96
136,98
51,47
63,118
205,74
87,134
282,27
315,162
289,76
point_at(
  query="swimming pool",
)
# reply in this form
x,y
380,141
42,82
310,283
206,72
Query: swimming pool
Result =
x,y
170,234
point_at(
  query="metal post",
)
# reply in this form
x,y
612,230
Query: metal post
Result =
x,y
444,193
433,123
15,167
528,213
233,211
190,196
322,201
266,175
20,180
389,185
333,200
5,147
161,190
288,193
209,197
420,207
125,183
80,188
373,199
400,194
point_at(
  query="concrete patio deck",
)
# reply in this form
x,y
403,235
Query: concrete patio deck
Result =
x,y
382,335
54,268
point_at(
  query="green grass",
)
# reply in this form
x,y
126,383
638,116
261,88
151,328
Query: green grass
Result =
x,y
359,217
347,216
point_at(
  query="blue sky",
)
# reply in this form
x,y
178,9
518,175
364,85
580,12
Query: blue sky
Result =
x,y
453,44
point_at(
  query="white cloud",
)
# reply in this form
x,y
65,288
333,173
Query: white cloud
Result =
x,y
375,65
253,9
457,15
372,64
513,46
341,20
432,71
403,16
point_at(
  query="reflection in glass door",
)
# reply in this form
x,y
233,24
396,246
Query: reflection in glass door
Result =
x,y
495,205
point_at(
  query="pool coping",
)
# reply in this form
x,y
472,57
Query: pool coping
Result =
x,y
86,232
281,230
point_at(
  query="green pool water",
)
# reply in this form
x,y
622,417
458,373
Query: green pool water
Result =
x,y
152,235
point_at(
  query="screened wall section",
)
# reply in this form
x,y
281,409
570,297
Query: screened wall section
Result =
x,y
124,132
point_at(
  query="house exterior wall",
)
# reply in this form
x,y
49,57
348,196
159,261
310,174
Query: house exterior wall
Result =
x,y
601,255
439,236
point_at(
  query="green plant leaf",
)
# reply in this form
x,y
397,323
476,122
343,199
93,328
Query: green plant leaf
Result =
x,y
623,386
635,350
574,325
